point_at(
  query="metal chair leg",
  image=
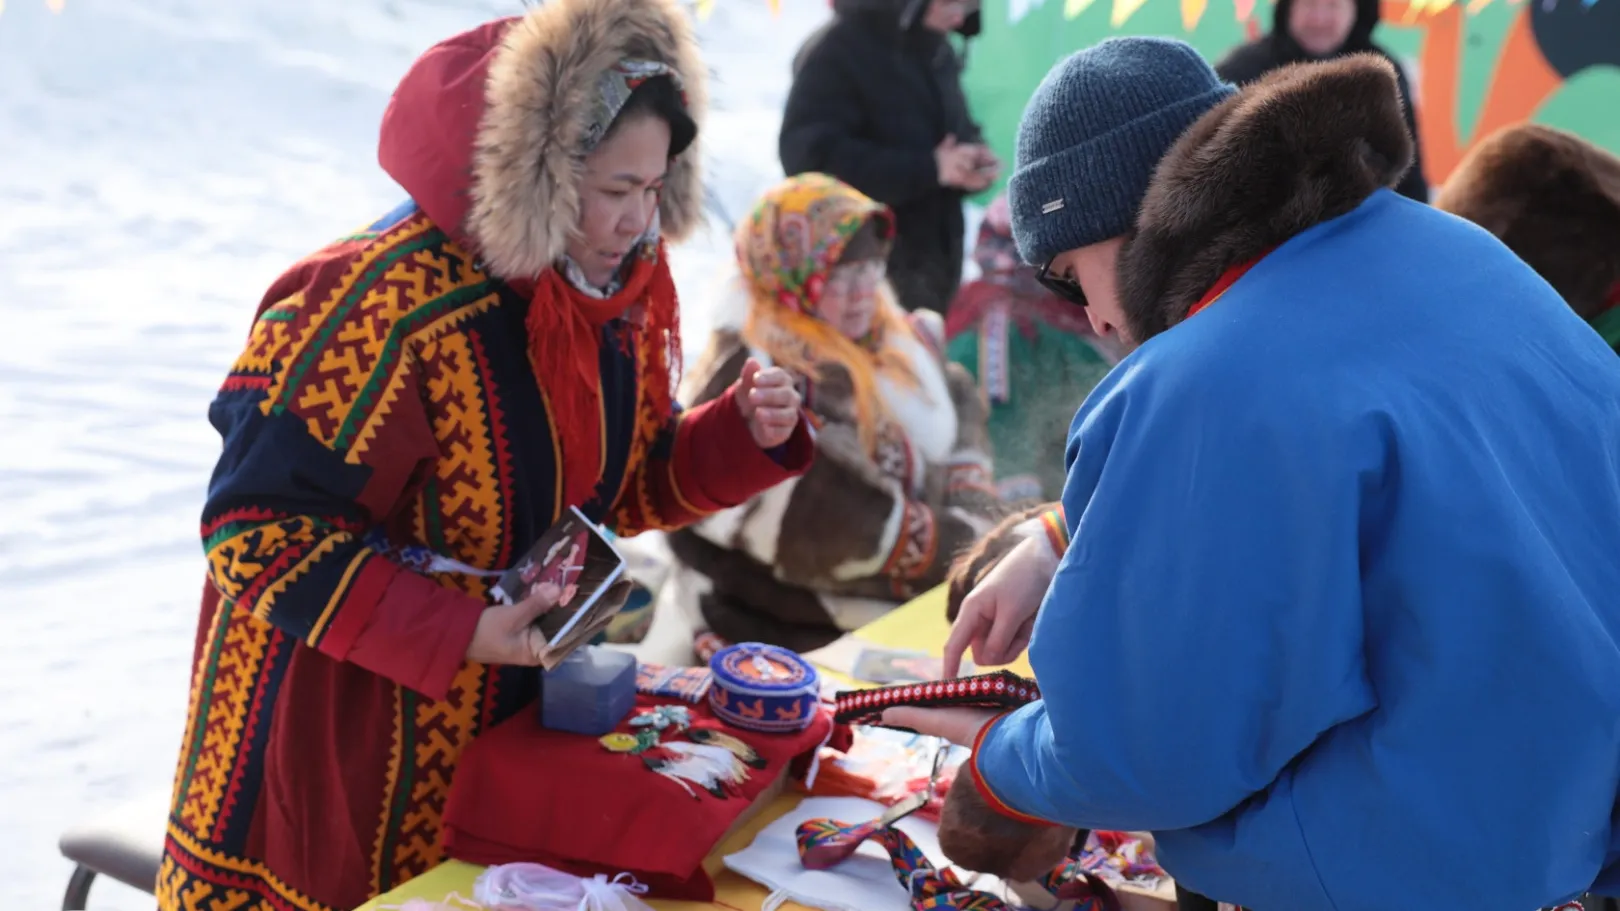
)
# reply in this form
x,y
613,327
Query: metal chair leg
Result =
x,y
78,888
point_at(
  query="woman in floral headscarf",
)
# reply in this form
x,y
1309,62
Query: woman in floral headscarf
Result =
x,y
1034,355
901,479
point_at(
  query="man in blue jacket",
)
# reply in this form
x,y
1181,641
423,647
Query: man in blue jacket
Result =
x,y
1338,616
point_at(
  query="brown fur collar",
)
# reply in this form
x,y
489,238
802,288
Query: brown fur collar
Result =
x,y
1305,144
526,171
1553,199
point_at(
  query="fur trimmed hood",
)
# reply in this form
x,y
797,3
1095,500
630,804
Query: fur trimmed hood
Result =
x,y
1554,199
484,130
1305,144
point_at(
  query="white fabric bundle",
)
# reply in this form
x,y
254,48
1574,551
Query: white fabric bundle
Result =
x,y
536,887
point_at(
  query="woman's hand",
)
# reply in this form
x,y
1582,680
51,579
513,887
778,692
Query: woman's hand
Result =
x,y
506,633
769,402
955,163
959,726
998,616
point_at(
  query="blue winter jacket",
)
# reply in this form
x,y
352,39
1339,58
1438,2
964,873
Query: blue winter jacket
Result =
x,y
1339,617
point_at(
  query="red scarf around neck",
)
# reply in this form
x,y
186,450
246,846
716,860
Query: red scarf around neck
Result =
x,y
1227,280
565,338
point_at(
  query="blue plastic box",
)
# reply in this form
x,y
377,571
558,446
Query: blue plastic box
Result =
x,y
590,692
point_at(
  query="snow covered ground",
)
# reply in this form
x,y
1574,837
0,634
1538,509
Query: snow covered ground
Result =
x,y
160,162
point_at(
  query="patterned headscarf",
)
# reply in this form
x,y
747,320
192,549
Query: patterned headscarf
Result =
x,y
786,248
613,89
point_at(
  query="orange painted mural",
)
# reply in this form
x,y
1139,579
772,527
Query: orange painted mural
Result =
x,y
1475,65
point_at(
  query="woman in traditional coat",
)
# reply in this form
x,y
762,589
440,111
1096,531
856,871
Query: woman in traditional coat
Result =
x,y
1034,355
902,476
416,404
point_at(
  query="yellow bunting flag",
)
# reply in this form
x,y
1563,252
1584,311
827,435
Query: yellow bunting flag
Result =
x,y
1191,12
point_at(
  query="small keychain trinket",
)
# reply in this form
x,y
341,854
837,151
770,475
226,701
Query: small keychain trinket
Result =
x,y
625,742
663,717
715,768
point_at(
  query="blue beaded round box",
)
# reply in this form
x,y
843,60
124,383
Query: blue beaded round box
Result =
x,y
764,688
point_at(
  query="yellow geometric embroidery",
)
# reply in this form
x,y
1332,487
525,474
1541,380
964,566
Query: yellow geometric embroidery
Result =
x,y
379,305
236,562
468,488
246,642
200,895
443,730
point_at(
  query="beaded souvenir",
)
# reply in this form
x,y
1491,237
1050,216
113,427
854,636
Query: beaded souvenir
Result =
x,y
764,688
686,683
999,690
712,767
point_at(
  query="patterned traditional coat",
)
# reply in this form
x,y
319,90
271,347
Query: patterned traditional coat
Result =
x,y
386,392
1034,355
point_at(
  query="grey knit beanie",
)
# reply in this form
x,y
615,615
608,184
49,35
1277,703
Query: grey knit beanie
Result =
x,y
1092,134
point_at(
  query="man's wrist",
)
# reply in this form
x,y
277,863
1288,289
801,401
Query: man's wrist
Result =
x,y
1049,527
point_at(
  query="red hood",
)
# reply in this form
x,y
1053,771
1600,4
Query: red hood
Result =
x,y
429,128
485,129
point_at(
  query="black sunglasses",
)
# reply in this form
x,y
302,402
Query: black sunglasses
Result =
x,y
1065,288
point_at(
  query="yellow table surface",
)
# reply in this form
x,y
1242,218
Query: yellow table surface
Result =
x,y
918,625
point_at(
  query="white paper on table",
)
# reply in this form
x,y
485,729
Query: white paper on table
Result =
x,y
864,882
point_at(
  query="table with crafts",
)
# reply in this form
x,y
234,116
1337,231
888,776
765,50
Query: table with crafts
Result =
x,y
919,625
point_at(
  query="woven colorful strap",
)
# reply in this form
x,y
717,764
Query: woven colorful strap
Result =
x,y
825,843
1057,530
998,690
1070,881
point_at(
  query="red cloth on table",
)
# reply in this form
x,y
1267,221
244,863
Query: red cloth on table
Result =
x,y
524,793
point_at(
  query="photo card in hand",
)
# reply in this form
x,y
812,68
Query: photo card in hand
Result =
x,y
582,562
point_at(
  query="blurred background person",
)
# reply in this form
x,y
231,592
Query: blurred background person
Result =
x,y
901,479
1554,199
1303,30
1034,355
877,102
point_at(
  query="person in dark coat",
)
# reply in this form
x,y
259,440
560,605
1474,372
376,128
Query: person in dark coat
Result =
x,y
877,102
1304,30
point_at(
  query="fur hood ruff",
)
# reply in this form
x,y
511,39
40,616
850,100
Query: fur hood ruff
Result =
x,y
486,127
1305,144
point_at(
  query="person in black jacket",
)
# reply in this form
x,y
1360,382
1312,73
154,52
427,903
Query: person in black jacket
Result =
x,y
1304,30
877,102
